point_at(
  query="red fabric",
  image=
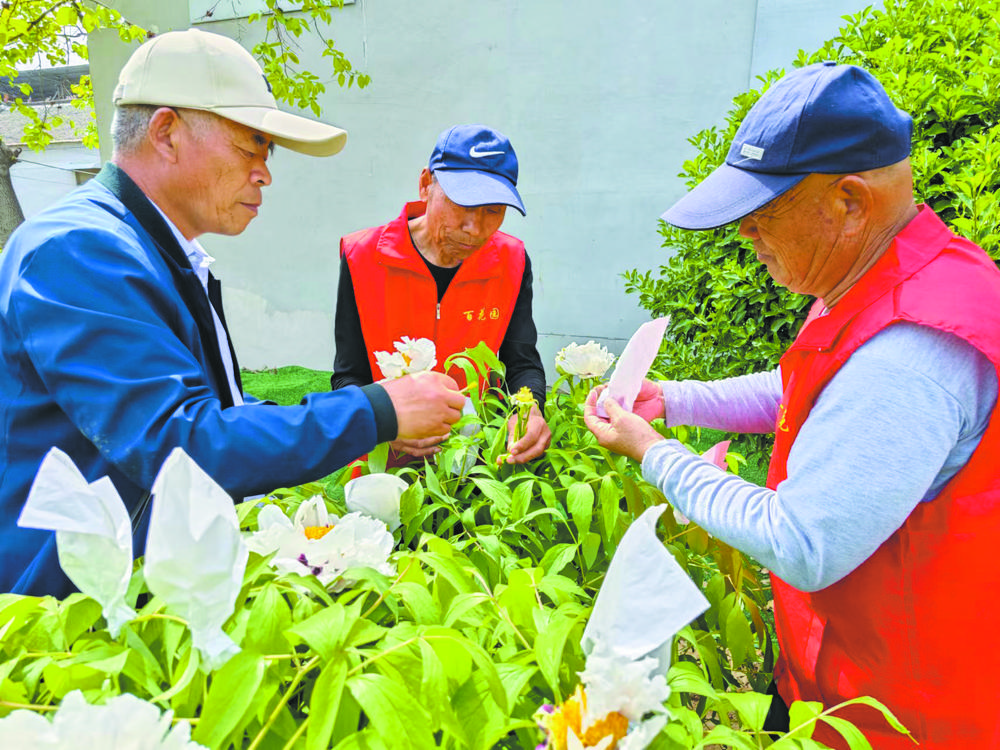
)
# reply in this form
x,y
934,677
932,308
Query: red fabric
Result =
x,y
913,625
397,295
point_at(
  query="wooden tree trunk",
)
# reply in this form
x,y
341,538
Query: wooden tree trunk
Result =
x,y
11,214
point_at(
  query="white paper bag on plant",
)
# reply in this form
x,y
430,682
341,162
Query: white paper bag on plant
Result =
x,y
645,599
195,555
376,496
93,532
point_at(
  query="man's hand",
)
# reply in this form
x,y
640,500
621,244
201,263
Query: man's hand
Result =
x,y
623,432
427,404
419,447
649,403
537,437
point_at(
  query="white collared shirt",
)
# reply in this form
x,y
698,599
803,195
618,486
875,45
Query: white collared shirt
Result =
x,y
200,261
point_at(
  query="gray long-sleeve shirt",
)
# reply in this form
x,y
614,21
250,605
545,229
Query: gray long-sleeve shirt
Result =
x,y
894,425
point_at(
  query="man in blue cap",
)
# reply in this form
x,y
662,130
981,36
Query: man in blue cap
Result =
x,y
881,514
444,271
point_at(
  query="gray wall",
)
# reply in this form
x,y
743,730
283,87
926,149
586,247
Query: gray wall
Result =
x,y
598,99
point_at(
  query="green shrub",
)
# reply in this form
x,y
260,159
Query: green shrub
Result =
x,y
937,60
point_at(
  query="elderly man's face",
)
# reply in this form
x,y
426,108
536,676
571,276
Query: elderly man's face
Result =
x,y
798,237
456,231
225,164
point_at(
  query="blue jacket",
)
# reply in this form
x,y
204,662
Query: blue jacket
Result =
x,y
109,352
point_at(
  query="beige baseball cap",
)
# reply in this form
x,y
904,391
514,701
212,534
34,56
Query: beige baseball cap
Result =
x,y
199,70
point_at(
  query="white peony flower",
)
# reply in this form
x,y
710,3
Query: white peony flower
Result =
x,y
377,496
411,356
391,364
628,687
122,723
590,360
420,354
317,542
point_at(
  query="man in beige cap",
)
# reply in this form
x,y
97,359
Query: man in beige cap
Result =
x,y
112,336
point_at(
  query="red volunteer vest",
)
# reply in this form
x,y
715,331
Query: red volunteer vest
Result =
x,y
914,625
400,297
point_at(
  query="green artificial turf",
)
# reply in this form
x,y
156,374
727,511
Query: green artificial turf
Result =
x,y
285,385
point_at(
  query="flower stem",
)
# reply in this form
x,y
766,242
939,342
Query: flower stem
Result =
x,y
303,670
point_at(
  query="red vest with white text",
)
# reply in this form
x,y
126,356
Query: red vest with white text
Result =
x,y
397,295
914,625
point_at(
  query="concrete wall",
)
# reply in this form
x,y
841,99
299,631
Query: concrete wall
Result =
x,y
41,178
598,99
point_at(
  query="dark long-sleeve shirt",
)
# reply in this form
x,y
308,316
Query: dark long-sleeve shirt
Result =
x,y
518,351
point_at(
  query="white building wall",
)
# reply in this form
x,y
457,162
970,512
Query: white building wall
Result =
x,y
598,99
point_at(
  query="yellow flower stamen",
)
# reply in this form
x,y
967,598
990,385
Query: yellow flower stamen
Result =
x,y
316,532
569,716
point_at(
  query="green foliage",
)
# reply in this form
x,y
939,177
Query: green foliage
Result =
x,y
937,60
55,28
287,22
497,570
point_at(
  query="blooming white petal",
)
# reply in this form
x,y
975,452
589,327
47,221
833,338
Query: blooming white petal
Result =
x,y
590,360
392,364
419,354
628,687
311,512
639,736
122,723
323,550
356,541
377,496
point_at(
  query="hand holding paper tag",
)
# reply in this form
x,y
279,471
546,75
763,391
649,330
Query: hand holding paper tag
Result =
x,y
93,532
634,363
195,556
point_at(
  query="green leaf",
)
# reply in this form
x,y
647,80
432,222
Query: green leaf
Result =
x,y
462,605
557,557
549,645
855,739
389,707
688,677
324,631
590,547
230,694
521,500
580,502
418,601
879,706
269,617
738,637
802,717
752,708
324,704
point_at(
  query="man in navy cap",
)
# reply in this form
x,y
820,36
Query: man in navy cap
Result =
x,y
881,514
444,271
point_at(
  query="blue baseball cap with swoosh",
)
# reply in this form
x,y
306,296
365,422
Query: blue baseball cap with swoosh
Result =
x,y
476,166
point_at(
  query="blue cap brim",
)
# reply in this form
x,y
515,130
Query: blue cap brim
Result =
x,y
726,195
469,188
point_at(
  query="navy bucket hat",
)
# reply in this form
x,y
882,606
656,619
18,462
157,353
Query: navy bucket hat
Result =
x,y
825,118
476,166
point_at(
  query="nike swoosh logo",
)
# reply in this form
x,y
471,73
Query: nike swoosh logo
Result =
x,y
479,154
